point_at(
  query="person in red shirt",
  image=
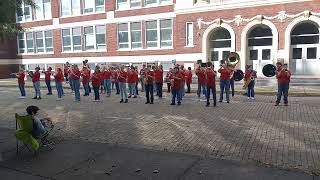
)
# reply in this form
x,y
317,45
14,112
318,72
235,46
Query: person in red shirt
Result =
x,y
122,77
142,73
176,81
283,75
47,78
136,78
36,83
224,82
58,76
183,82
158,73
115,79
250,75
85,80
75,78
211,84
66,71
188,77
96,78
201,81
169,74
149,79
21,75
107,73
132,82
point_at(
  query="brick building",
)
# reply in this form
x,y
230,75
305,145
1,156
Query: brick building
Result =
x,y
139,31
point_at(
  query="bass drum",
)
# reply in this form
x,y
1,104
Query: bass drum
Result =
x,y
238,75
269,70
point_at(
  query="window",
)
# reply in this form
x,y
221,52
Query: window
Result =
x,y
24,13
151,34
150,2
89,38
189,34
136,35
76,39
122,4
101,37
123,36
48,41
166,33
42,9
297,53
312,53
66,40
21,43
220,38
305,33
39,42
266,54
254,54
91,6
30,48
135,3
70,7
260,36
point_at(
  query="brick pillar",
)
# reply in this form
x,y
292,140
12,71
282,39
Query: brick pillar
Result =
x,y
55,8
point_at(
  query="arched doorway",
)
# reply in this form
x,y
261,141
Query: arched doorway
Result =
x,y
260,47
219,45
305,49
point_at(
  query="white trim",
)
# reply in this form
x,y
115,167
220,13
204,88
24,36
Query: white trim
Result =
x,y
289,29
207,33
244,43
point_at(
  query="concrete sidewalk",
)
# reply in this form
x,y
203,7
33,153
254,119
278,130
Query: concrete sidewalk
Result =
x,y
73,159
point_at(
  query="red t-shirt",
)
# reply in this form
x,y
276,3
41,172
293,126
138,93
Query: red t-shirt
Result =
x,y
177,82
210,78
201,77
21,76
85,77
59,77
158,75
75,75
131,77
96,79
47,75
136,77
224,74
107,74
36,76
188,75
150,77
247,74
283,76
122,76
115,76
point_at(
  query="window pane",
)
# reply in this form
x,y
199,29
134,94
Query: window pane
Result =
x,y
260,31
260,42
65,7
135,3
123,27
136,36
66,41
220,33
47,10
297,53
136,45
76,31
165,23
266,54
189,35
75,7
166,34
39,42
76,40
220,44
88,6
123,37
136,26
89,38
65,32
38,9
151,25
214,56
101,39
253,54
225,55
304,40
48,33
152,35
147,2
88,30
305,28
49,45
312,53
30,43
100,29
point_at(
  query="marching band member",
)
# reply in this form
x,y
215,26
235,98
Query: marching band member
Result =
x,y
47,78
116,80
250,75
232,81
201,80
189,79
107,80
122,77
211,84
65,71
136,78
224,82
85,80
183,82
131,82
20,75
74,77
169,74
149,78
176,81
96,83
36,83
158,73
142,72
58,76
283,75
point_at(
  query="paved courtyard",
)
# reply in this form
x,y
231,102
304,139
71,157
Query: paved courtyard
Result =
x,y
284,137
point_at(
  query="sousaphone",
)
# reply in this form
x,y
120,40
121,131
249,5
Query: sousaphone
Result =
x,y
232,60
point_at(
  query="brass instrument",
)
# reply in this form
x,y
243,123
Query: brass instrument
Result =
x,y
269,70
232,60
248,81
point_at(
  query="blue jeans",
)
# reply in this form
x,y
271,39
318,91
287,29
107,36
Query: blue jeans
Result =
x,y
149,92
175,95
86,88
132,89
59,88
96,92
36,86
123,90
224,86
76,88
107,86
214,94
22,90
232,87
203,89
283,89
142,84
48,83
250,92
71,84
159,89
117,87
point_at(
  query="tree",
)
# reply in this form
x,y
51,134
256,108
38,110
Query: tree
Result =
x,y
8,26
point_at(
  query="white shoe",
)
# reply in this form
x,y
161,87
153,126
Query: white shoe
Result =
x,y
252,98
58,99
22,97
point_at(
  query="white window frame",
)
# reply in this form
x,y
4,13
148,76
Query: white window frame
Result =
x,y
165,29
105,34
71,42
36,42
24,42
158,35
94,11
72,35
159,2
189,35
44,15
129,36
71,10
35,47
94,39
45,45
23,17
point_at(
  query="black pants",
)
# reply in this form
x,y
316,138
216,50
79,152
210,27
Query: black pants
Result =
x,y
169,87
149,92
48,83
214,94
96,93
159,89
188,88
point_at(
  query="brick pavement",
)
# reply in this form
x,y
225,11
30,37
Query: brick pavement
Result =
x,y
285,137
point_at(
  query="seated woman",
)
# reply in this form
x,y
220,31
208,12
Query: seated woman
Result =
x,y
41,127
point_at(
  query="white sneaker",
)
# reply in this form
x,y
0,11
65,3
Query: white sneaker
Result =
x,y
252,98
58,99
249,98
22,97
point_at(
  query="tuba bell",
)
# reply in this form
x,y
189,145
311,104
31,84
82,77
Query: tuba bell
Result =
x,y
269,70
232,60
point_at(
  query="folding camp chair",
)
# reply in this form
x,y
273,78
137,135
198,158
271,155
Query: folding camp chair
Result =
x,y
24,129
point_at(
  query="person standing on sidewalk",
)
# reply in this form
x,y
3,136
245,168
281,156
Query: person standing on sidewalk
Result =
x,y
176,79
116,80
149,79
211,84
36,83
122,77
75,78
58,76
224,82
21,75
189,79
169,74
96,82
47,78
85,80
201,81
131,82
158,73
250,75
136,78
142,73
107,80
283,75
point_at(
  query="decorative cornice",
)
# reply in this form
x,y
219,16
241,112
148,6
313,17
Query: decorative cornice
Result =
x,y
238,20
